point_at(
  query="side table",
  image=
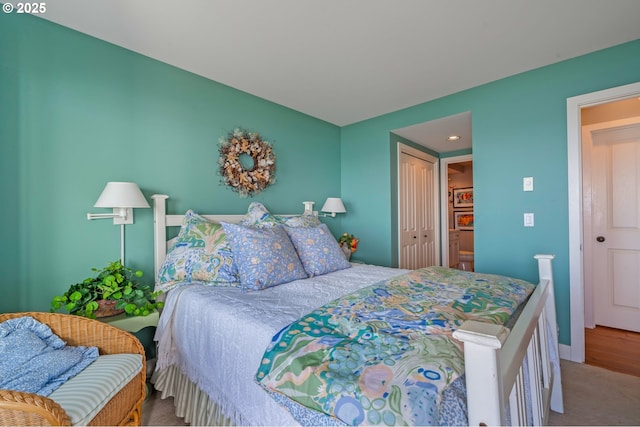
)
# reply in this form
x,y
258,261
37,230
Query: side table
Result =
x,y
143,328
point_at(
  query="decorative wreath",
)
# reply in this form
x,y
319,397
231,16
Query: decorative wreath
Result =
x,y
246,181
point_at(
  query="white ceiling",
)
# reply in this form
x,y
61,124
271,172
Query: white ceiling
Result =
x,y
433,134
344,61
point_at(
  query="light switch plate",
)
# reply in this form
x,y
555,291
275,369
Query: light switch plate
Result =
x,y
528,220
527,183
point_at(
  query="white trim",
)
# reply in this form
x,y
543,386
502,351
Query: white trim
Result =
x,y
574,171
444,203
402,148
565,351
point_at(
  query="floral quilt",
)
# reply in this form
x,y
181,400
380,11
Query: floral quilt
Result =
x,y
385,354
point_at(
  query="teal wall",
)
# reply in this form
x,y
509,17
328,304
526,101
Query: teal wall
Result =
x,y
77,112
519,129
9,192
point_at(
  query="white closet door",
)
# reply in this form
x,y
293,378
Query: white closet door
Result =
x,y
417,219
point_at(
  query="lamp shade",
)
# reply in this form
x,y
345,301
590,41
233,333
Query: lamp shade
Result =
x,y
333,205
121,195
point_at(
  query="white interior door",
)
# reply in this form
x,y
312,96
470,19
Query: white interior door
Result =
x,y
614,247
417,188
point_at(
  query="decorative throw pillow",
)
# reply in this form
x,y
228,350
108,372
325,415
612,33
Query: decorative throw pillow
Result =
x,y
318,250
258,217
265,256
200,254
36,360
298,221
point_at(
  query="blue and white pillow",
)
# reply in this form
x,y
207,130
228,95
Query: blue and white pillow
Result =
x,y
36,360
200,254
298,221
265,257
317,249
258,216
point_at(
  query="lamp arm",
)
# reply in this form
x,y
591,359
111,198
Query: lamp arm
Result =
x,y
119,215
91,216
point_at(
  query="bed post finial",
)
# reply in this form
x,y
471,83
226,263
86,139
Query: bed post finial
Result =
x,y
544,266
159,231
482,341
545,272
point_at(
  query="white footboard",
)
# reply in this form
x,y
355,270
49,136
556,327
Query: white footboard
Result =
x,y
510,371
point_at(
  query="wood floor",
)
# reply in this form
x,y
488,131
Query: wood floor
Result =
x,y
613,349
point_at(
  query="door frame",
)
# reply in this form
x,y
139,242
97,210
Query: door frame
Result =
x,y
444,203
576,218
403,148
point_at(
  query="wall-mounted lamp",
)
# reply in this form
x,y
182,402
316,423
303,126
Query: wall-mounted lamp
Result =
x,y
308,208
122,197
333,205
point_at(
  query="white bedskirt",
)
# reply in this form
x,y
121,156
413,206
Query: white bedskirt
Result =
x,y
189,401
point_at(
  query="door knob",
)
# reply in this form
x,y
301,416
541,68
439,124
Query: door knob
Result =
x,y
600,239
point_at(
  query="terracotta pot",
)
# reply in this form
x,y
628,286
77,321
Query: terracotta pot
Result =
x,y
107,307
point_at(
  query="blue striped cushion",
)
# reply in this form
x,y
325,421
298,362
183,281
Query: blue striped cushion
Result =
x,y
84,395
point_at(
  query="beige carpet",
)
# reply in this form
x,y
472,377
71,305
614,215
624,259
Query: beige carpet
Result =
x,y
592,396
597,396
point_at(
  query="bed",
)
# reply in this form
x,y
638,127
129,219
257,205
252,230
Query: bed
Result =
x,y
213,342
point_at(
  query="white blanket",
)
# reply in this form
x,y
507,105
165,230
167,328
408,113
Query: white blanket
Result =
x,y
217,336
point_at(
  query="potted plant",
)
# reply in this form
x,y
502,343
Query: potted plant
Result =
x,y
114,286
348,243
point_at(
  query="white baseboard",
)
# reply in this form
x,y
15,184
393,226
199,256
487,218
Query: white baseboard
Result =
x,y
565,351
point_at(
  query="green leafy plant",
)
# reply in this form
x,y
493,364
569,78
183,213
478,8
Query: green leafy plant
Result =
x,y
350,241
113,282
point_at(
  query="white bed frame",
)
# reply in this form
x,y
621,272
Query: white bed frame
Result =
x,y
497,360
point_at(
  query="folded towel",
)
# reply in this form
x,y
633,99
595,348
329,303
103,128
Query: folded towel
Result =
x,y
35,360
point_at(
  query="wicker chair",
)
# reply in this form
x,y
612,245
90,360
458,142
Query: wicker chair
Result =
x,y
125,408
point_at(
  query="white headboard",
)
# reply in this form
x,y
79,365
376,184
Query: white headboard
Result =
x,y
161,221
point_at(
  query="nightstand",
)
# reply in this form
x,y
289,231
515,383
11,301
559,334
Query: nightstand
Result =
x,y
143,327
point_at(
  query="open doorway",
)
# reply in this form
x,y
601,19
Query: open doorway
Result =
x,y
457,212
580,266
611,231
434,138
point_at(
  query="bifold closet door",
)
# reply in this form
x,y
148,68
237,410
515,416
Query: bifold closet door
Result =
x,y
416,212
